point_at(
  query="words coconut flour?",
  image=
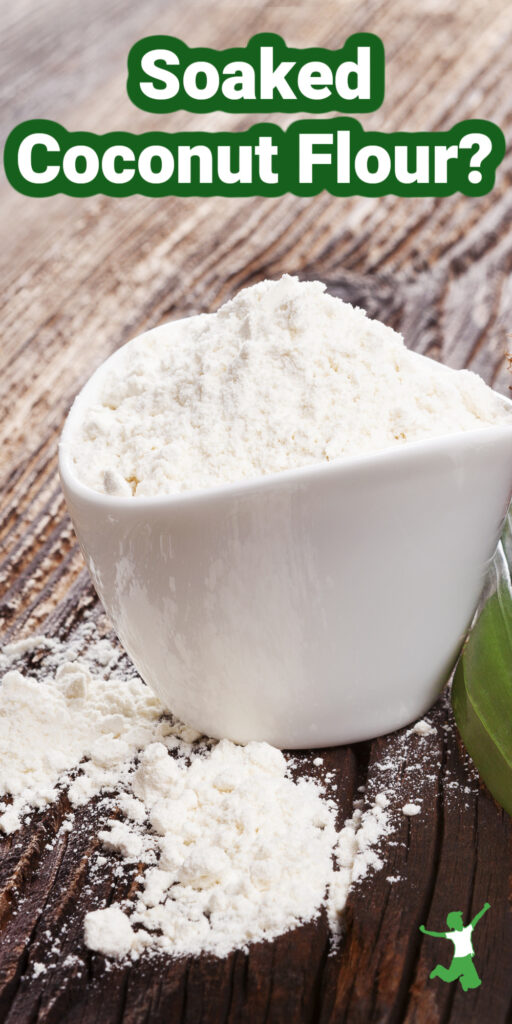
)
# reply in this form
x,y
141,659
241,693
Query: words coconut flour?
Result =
x,y
282,376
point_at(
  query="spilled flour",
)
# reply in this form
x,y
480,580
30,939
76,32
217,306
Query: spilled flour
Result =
x,y
229,844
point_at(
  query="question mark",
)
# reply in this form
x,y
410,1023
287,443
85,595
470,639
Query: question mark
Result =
x,y
484,147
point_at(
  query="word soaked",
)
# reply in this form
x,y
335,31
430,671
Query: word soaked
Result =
x,y
165,75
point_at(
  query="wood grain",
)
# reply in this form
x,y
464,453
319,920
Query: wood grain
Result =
x,y
79,277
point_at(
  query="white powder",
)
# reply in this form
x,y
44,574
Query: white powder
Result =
x,y
26,646
355,853
423,728
47,729
109,931
282,376
411,810
241,852
230,846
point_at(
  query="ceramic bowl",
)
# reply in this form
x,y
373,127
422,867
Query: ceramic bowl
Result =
x,y
312,607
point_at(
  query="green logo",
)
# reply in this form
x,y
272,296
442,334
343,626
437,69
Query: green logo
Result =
x,y
462,966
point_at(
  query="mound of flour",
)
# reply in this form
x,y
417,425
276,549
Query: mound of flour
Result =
x,y
282,376
229,844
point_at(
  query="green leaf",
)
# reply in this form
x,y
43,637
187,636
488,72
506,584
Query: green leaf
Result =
x,y
482,685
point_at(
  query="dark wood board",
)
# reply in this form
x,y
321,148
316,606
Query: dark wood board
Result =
x,y
78,278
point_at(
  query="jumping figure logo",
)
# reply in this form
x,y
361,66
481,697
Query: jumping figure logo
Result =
x,y
462,966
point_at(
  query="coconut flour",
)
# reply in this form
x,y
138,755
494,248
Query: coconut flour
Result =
x,y
282,376
230,844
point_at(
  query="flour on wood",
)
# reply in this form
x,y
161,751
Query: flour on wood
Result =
x,y
235,847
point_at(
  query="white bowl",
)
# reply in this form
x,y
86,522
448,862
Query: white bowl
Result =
x,y
308,608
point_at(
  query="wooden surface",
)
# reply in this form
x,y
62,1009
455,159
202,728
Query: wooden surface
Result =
x,y
79,277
